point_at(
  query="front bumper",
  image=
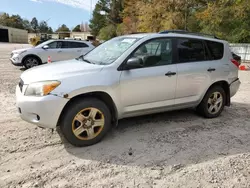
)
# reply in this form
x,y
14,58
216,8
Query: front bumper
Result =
x,y
16,60
234,87
41,111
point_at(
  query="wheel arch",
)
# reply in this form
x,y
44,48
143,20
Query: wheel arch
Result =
x,y
31,55
224,84
101,95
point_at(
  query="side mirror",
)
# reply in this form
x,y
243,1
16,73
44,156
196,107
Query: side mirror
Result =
x,y
45,47
134,62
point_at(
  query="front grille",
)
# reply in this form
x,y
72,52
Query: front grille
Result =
x,y
21,85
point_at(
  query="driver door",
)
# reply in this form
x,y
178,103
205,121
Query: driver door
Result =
x,y
55,51
153,85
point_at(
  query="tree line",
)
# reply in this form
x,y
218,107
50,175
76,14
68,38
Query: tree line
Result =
x,y
227,19
33,26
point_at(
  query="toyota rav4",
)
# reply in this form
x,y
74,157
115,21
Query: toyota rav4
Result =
x,y
129,76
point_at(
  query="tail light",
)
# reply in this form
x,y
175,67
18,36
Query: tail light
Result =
x,y
236,63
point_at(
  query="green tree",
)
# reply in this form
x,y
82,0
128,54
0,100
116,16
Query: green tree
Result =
x,y
107,32
44,28
50,30
5,19
107,14
63,28
99,17
12,21
77,28
229,20
34,25
17,21
27,26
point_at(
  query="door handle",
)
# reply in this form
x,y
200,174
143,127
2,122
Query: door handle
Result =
x,y
59,51
211,69
170,73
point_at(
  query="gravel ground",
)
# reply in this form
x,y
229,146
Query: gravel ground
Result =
x,y
174,149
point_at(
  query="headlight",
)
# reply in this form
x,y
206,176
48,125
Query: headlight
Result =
x,y
41,88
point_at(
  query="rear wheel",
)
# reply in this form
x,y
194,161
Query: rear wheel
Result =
x,y
213,103
86,122
30,62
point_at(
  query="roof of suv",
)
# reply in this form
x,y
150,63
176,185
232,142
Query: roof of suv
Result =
x,y
152,35
70,40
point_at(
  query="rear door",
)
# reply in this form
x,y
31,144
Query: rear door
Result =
x,y
85,48
78,49
194,70
219,61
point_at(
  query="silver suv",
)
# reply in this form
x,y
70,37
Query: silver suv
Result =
x,y
129,76
58,50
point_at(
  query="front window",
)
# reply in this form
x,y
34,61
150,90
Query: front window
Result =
x,y
109,51
44,43
156,52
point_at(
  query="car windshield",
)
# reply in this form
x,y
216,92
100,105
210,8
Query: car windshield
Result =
x,y
109,51
44,43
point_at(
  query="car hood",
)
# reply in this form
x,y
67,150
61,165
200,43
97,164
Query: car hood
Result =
x,y
59,70
20,50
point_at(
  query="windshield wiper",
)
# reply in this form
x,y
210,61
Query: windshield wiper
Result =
x,y
87,61
82,58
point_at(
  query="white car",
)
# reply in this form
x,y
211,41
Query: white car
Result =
x,y
58,50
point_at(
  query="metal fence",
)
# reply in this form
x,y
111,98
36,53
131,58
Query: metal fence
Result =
x,y
243,50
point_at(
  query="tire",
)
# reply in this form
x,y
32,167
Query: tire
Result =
x,y
81,127
210,107
30,62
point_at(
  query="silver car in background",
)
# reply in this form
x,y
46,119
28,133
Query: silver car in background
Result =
x,y
58,50
129,76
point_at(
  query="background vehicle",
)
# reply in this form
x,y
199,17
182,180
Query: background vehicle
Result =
x,y
58,50
129,76
40,38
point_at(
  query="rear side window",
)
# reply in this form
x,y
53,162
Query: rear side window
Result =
x,y
216,49
191,50
58,44
63,44
77,45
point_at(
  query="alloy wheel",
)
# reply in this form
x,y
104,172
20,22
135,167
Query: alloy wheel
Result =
x,y
31,62
88,123
215,102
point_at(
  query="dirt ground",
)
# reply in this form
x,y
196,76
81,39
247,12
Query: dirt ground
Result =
x,y
174,149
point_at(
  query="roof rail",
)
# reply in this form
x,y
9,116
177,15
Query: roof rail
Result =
x,y
187,33
136,33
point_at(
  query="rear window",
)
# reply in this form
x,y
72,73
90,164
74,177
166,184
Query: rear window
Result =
x,y
191,50
216,49
77,45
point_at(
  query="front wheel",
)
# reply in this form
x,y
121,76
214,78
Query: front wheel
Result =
x,y
86,122
30,62
213,103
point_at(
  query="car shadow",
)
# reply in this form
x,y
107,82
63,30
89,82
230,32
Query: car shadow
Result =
x,y
179,137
